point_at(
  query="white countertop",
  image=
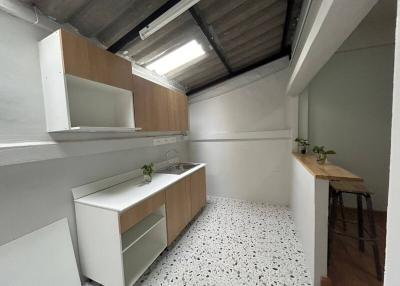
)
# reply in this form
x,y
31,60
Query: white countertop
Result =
x,y
127,194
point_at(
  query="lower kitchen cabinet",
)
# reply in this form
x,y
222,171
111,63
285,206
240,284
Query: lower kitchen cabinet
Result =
x,y
110,242
121,233
183,201
197,191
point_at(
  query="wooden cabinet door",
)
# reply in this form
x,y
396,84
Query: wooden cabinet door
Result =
x,y
142,102
198,191
160,108
76,55
150,104
86,60
119,71
177,111
183,118
173,114
178,208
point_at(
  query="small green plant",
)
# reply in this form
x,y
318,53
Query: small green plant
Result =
x,y
322,154
302,144
148,171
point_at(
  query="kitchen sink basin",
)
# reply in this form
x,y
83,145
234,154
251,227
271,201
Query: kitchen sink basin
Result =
x,y
177,169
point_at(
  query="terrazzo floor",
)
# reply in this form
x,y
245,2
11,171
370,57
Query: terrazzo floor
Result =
x,y
233,242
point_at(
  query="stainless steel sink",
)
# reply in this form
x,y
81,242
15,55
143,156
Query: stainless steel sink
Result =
x,y
177,169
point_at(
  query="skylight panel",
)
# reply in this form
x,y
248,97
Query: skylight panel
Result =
x,y
177,58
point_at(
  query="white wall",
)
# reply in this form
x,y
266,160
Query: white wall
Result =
x,y
35,194
392,274
21,102
253,169
350,99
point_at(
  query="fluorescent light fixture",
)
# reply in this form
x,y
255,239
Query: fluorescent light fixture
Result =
x,y
176,10
177,58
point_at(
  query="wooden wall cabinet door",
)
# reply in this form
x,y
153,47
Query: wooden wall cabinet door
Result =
x,y
84,59
160,108
173,120
178,208
151,105
198,191
157,108
142,94
177,111
183,118
75,52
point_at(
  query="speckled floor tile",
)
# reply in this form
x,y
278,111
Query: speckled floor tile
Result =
x,y
233,242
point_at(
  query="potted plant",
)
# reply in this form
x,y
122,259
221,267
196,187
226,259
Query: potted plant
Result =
x,y
302,145
322,154
147,172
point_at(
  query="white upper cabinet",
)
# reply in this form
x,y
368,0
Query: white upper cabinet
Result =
x,y
86,89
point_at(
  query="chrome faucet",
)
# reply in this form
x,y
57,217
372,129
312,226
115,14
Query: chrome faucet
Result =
x,y
169,151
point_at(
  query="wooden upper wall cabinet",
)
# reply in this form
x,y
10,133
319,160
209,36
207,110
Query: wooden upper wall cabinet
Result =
x,y
158,108
85,88
84,59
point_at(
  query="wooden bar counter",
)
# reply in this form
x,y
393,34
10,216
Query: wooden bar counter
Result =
x,y
309,203
326,171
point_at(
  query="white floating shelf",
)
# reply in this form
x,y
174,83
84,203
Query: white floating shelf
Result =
x,y
90,129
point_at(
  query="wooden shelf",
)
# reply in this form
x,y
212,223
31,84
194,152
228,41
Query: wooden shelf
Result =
x,y
130,237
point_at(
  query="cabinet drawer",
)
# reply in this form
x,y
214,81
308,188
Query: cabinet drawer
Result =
x,y
135,214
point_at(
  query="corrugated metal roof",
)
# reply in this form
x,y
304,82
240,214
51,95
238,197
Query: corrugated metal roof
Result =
x,y
235,34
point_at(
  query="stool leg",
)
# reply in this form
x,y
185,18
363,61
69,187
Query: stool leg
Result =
x,y
374,237
334,210
342,211
360,223
332,220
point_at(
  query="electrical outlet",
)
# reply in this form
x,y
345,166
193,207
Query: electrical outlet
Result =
x,y
164,140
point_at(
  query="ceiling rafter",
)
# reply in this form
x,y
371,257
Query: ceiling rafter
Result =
x,y
284,51
211,37
284,46
267,60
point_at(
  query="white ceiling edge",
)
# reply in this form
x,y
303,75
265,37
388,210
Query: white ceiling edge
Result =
x,y
333,23
240,80
153,77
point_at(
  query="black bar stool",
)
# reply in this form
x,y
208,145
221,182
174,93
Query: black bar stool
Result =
x,y
336,189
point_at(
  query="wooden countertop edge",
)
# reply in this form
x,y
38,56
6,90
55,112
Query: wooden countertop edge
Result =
x,y
324,174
